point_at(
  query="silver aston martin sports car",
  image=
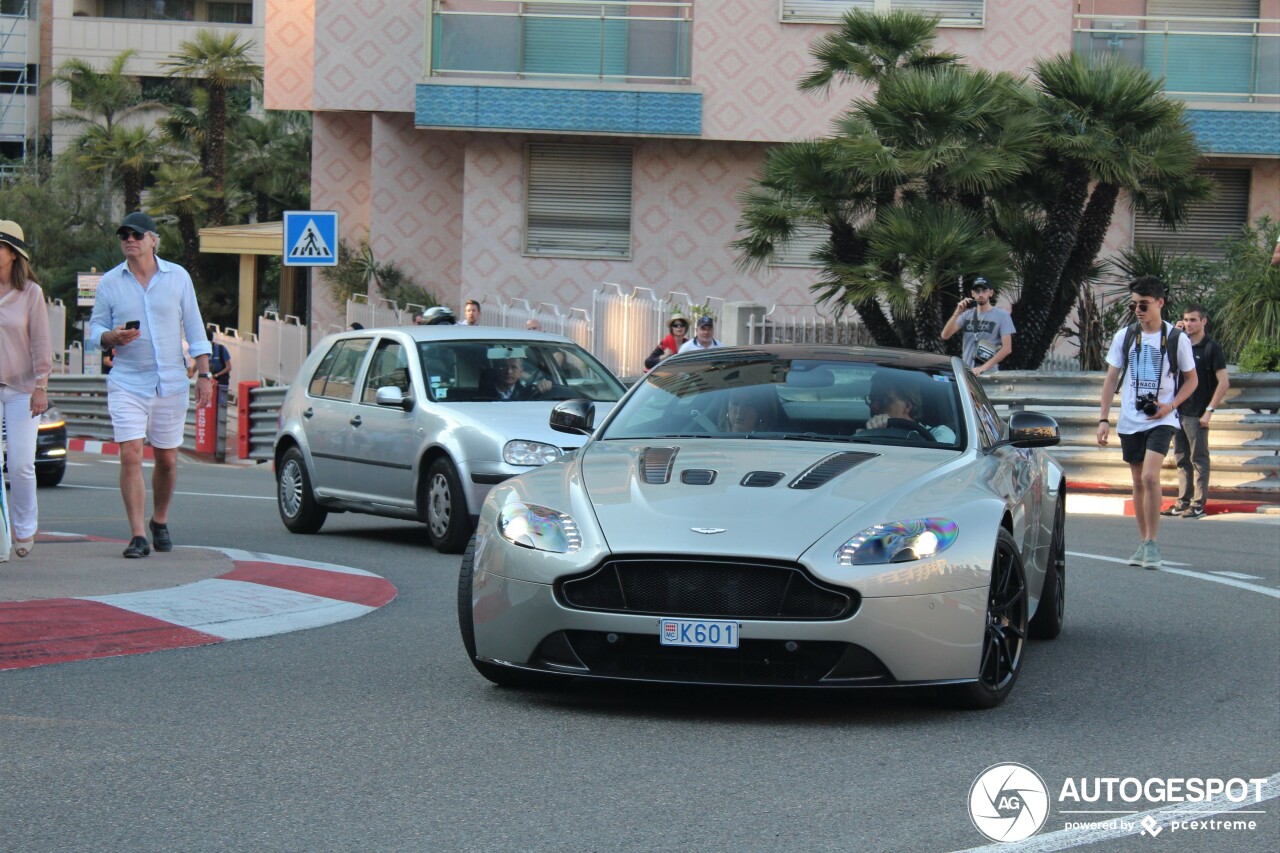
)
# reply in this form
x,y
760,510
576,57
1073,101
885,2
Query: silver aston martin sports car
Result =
x,y
813,516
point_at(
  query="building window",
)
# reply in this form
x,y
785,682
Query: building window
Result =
x,y
578,201
230,13
954,13
150,10
1208,222
17,8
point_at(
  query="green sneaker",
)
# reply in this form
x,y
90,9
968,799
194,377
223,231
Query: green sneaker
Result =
x,y
1139,557
1154,560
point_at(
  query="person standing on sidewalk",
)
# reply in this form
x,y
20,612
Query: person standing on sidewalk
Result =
x,y
144,309
988,330
1191,441
25,363
1140,355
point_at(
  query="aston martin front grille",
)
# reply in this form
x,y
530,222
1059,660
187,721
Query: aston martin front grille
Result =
x,y
683,586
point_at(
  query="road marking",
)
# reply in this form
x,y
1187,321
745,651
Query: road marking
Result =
x,y
1066,838
1117,559
1239,576
192,494
1215,577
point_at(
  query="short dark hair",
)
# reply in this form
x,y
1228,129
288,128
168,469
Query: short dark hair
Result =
x,y
471,302
1197,308
1147,285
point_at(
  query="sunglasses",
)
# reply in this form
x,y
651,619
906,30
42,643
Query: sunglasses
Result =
x,y
1140,306
127,234
679,325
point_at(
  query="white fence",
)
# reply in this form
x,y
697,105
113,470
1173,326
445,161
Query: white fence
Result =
x,y
803,324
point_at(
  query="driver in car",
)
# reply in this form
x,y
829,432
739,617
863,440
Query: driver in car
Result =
x,y
890,402
509,382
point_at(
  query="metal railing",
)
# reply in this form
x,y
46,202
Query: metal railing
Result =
x,y
574,40
803,324
1199,58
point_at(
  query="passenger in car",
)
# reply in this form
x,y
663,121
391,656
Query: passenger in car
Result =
x,y
899,398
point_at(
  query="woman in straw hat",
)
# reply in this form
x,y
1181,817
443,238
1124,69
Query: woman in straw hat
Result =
x,y
678,327
25,363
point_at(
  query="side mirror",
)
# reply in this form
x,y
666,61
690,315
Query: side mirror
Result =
x,y
576,417
390,396
1032,429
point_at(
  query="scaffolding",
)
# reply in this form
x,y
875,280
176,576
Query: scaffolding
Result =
x,y
19,25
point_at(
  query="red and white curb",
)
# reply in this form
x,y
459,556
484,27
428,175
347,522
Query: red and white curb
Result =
x,y
264,594
104,448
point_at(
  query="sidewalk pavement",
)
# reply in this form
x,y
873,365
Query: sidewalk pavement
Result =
x,y
75,598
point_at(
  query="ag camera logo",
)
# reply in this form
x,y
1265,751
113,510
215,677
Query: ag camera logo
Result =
x,y
1008,802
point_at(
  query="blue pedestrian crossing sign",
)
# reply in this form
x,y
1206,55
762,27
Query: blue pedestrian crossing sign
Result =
x,y
310,238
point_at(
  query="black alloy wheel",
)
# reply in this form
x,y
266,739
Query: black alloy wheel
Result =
x,y
1050,615
1005,634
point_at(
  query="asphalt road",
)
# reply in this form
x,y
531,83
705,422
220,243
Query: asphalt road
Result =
x,y
377,735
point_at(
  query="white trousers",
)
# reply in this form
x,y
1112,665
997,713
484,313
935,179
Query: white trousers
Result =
x,y
20,437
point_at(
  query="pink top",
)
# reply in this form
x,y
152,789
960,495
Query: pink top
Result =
x,y
24,339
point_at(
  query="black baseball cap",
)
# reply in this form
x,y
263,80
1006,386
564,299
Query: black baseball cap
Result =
x,y
137,221
705,321
980,283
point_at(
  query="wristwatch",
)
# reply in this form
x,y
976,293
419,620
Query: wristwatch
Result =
x,y
1210,409
205,375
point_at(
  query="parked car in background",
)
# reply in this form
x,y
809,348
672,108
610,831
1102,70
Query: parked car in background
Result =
x,y
419,422
813,516
51,449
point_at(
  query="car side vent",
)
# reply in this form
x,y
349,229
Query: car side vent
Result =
x,y
762,479
655,464
697,477
824,470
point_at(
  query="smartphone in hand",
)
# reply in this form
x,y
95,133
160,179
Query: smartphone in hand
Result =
x,y
133,324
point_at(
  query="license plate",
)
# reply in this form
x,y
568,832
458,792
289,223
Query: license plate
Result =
x,y
698,632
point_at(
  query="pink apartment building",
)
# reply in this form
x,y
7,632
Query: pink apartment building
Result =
x,y
535,149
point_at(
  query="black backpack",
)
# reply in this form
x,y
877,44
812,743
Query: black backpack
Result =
x,y
1170,349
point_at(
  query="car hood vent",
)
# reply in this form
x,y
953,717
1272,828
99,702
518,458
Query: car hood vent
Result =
x,y
827,469
655,464
762,479
698,477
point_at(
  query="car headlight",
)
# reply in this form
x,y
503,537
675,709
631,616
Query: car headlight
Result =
x,y
899,542
539,528
51,419
520,452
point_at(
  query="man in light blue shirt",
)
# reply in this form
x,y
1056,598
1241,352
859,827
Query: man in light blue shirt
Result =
x,y
144,308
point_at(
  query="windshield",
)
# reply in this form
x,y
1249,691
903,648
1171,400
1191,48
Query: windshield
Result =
x,y
756,395
502,371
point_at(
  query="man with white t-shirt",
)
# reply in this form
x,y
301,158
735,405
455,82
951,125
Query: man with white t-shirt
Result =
x,y
705,337
1151,392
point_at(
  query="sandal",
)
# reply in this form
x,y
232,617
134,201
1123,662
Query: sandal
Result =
x,y
23,547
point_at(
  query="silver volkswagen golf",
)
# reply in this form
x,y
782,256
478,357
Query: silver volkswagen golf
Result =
x,y
419,422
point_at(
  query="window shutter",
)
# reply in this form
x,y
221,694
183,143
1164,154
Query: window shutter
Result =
x,y
799,252
578,201
1208,223
954,13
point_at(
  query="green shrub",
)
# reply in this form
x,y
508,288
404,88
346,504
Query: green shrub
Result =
x,y
1260,356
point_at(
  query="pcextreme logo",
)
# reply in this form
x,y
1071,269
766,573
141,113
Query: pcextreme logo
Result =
x,y
1008,802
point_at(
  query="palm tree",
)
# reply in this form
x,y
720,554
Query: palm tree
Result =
x,y
271,160
219,62
1112,128
867,47
185,192
99,97
125,152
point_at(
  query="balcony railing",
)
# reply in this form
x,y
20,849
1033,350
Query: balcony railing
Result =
x,y
609,41
1199,58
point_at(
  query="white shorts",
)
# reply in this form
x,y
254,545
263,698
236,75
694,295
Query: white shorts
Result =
x,y
160,420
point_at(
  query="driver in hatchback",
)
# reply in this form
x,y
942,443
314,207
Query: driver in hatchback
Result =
x,y
891,400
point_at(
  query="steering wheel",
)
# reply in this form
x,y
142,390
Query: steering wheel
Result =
x,y
894,425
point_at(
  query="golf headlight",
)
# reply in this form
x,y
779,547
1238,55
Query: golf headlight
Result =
x,y
899,542
520,452
539,528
